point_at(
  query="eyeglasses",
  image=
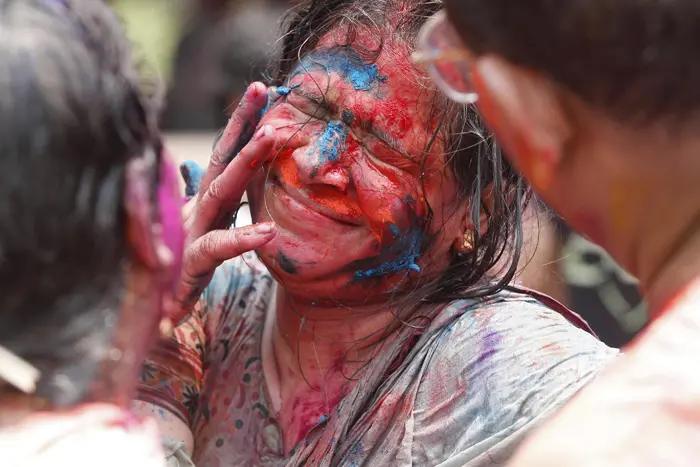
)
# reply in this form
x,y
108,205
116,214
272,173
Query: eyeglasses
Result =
x,y
448,63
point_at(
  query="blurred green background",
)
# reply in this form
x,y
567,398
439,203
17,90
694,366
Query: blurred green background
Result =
x,y
154,26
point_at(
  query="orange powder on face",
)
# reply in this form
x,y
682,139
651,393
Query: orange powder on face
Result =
x,y
323,195
287,169
338,202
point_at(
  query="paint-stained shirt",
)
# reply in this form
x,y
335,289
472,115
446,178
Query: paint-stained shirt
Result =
x,y
464,391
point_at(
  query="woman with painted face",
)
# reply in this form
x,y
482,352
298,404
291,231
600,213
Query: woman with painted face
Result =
x,y
372,325
598,109
90,238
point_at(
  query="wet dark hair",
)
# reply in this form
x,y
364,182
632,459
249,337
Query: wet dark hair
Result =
x,y
473,155
634,59
72,115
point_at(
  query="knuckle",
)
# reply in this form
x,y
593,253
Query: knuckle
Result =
x,y
218,157
215,191
208,245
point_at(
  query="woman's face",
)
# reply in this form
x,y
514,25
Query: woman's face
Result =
x,y
350,185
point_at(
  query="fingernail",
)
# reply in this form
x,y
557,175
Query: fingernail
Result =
x,y
265,130
265,228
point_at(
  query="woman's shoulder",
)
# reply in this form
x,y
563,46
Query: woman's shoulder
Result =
x,y
515,318
510,359
510,334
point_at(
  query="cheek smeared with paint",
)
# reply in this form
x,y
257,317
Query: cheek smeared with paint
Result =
x,y
400,239
405,248
325,196
170,218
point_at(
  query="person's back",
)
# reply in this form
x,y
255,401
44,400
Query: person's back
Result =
x,y
89,237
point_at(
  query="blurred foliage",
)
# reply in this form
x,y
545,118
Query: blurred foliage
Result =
x,y
154,27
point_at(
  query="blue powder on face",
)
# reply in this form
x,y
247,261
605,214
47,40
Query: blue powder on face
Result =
x,y
394,230
345,62
285,90
331,142
408,251
362,78
192,173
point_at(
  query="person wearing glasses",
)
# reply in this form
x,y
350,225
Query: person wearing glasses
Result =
x,y
596,104
378,322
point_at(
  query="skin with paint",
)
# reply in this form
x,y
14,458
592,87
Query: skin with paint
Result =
x,y
380,217
345,176
353,200
625,174
347,171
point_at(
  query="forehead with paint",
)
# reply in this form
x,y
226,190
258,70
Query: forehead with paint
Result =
x,y
359,177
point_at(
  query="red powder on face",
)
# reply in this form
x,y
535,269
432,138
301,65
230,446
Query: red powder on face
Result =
x,y
395,115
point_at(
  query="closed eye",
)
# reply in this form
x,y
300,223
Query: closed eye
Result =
x,y
319,101
390,150
391,142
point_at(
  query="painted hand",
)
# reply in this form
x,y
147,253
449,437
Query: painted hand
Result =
x,y
208,215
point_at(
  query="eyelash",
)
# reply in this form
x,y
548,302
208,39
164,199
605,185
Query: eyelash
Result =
x,y
322,110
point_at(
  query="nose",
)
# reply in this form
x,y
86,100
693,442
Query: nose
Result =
x,y
322,161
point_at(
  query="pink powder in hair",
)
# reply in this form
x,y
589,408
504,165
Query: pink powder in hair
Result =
x,y
170,203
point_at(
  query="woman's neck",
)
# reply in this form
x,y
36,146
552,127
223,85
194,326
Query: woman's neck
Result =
x,y
316,353
314,342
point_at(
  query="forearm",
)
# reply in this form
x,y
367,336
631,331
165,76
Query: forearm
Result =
x,y
171,379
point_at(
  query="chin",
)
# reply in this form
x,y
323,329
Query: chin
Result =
x,y
325,278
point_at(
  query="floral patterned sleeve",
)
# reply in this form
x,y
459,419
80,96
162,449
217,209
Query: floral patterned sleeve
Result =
x,y
171,377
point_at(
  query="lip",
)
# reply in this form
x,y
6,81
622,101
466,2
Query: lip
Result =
x,y
302,198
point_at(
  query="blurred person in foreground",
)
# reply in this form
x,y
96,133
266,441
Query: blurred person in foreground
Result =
x,y
90,238
598,109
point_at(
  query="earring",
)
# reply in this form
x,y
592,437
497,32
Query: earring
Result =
x,y
468,243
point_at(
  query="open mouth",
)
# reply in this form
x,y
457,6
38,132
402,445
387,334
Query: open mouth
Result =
x,y
344,215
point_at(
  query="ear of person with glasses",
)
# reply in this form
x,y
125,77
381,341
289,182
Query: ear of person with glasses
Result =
x,y
596,103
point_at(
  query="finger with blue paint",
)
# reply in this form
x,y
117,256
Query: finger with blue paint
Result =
x,y
216,195
192,173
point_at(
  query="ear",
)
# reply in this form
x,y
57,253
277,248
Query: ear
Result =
x,y
466,242
524,110
143,230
